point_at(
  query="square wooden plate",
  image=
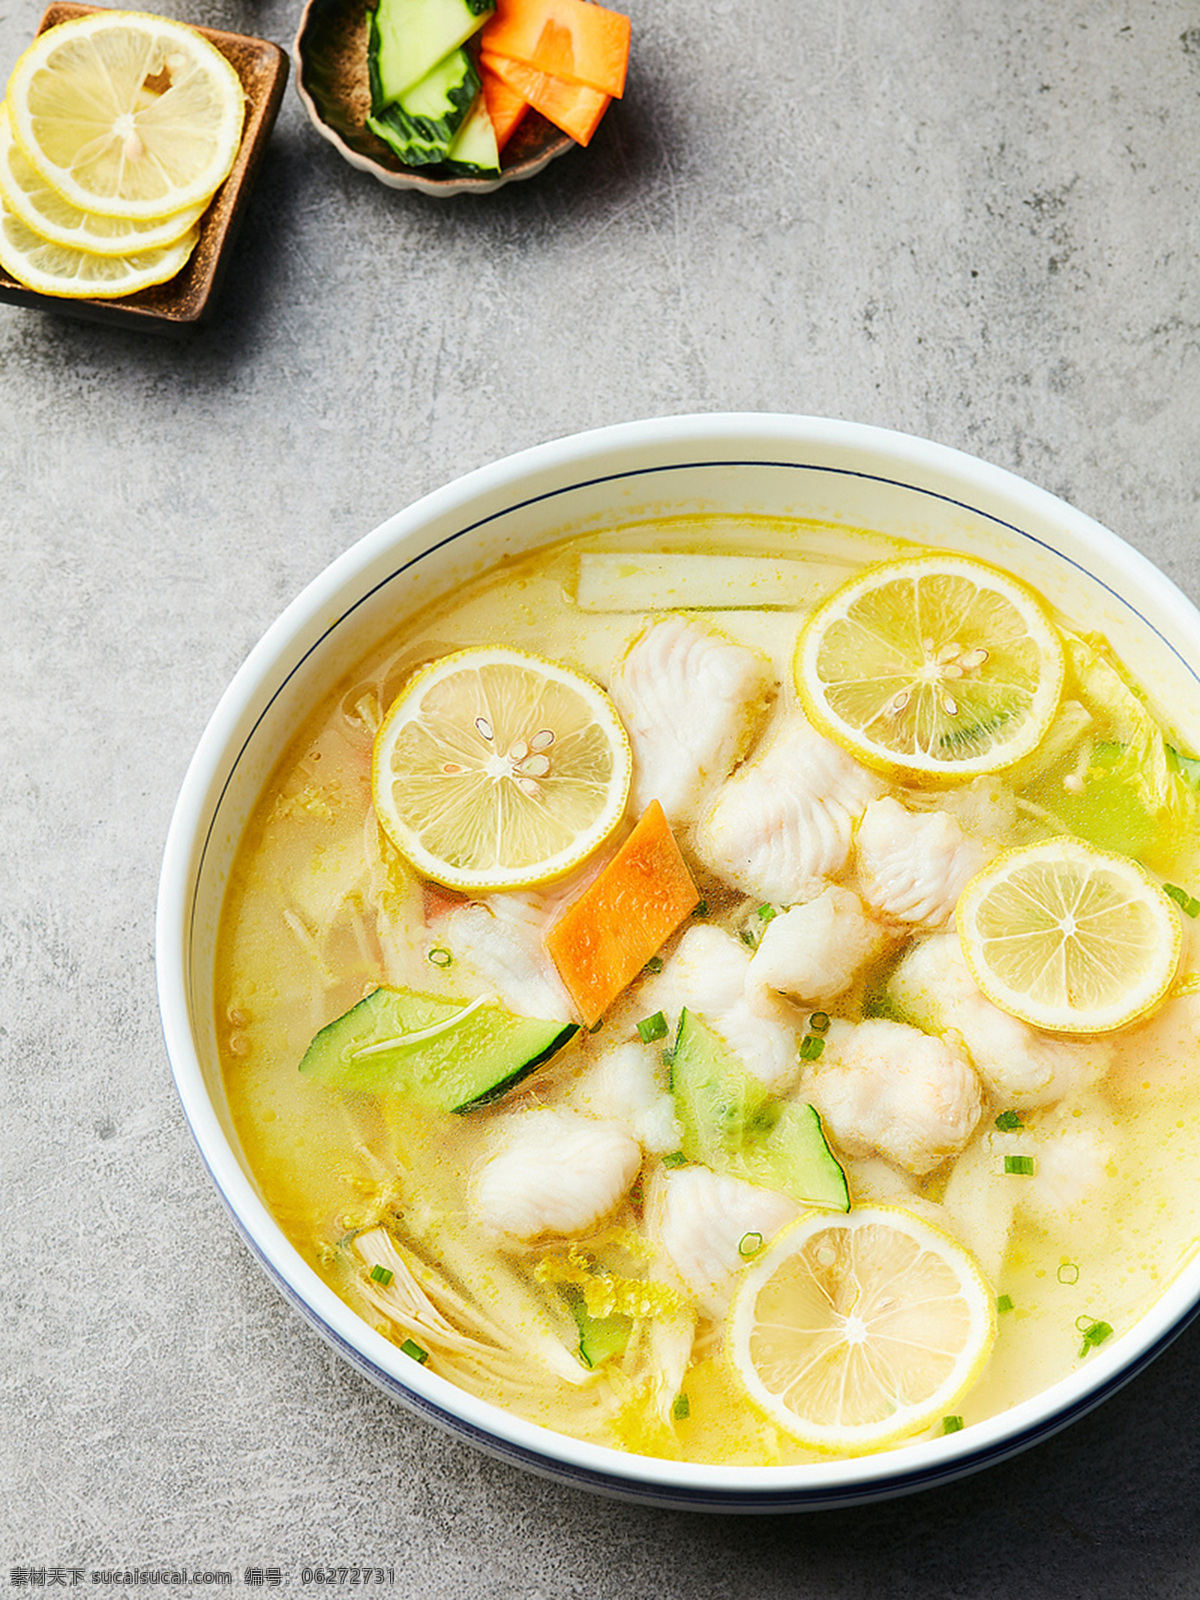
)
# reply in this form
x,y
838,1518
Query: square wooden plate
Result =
x,y
181,304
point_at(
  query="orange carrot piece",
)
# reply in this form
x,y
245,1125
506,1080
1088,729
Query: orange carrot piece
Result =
x,y
504,106
570,39
570,106
604,939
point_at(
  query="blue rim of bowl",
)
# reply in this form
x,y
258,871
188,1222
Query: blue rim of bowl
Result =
x,y
537,1449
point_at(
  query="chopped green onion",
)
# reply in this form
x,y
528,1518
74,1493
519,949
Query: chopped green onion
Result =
x,y
1004,1302
675,1158
410,1347
951,1424
439,957
1009,1121
748,936
1185,901
382,1275
767,913
1094,1333
651,1028
1019,1166
819,1022
811,1047
701,910
750,1244
682,1409
1068,1273
655,964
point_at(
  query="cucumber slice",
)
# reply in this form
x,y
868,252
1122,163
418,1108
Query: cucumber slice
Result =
x,y
732,1123
601,1339
474,145
423,123
409,37
447,1055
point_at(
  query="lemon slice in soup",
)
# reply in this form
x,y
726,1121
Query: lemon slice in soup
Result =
x,y
932,668
495,769
853,1332
1069,938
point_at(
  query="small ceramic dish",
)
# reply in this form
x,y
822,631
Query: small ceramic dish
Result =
x,y
178,306
331,80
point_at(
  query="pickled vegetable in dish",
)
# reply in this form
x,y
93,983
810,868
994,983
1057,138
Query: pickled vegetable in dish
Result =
x,y
729,994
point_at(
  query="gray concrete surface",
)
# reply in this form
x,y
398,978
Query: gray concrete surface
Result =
x,y
977,223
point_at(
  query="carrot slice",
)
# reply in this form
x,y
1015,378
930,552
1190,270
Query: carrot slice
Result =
x,y
604,939
570,39
570,106
504,106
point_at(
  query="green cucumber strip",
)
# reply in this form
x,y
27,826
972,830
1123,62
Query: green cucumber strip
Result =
x,y
601,1339
408,38
732,1123
446,1055
473,148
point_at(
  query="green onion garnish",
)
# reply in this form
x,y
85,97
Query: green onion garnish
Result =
x,y
1068,1273
811,1047
747,936
675,1158
654,964
1185,901
382,1275
651,1028
767,913
701,910
1009,1121
819,1022
1094,1333
1019,1166
1004,1302
682,1408
951,1424
410,1347
439,957
750,1244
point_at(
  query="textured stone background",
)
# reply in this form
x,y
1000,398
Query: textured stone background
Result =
x,y
977,223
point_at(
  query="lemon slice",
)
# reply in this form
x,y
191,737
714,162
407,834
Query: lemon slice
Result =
x,y
495,769
853,1332
1069,938
932,668
57,269
126,114
32,201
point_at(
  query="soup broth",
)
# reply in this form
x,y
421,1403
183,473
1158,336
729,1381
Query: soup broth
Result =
x,y
603,1314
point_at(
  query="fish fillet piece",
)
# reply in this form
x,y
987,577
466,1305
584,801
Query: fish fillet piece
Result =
x,y
501,940
552,1174
1022,1066
709,1226
887,1089
913,865
815,951
627,1085
708,973
692,701
782,826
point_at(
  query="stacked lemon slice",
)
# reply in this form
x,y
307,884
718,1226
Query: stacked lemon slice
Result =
x,y
116,131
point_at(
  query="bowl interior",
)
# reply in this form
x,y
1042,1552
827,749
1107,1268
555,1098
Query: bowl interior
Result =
x,y
723,467
331,78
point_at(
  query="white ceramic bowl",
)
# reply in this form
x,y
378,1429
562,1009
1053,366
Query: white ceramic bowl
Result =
x,y
728,464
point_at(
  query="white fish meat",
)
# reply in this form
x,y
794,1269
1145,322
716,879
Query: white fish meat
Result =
x,y
627,1085
500,939
814,952
705,1222
887,1089
782,826
913,865
552,1174
692,701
